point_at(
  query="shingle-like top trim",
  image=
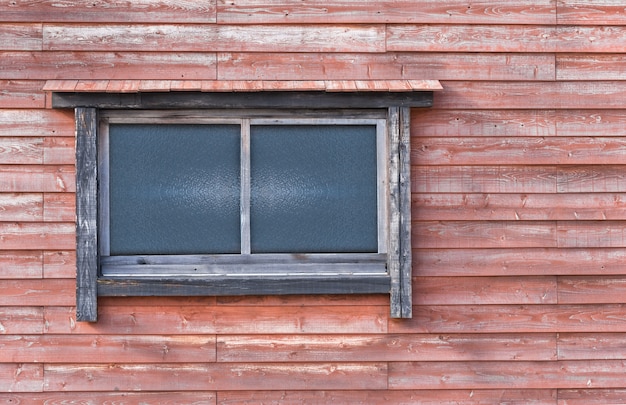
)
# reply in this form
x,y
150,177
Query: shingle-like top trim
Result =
x,y
145,86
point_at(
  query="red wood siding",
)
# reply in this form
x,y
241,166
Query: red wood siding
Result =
x,y
518,207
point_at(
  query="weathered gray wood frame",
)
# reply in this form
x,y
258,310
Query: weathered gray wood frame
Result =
x,y
331,276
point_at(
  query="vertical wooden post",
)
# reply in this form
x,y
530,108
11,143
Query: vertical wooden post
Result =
x,y
86,215
406,270
393,252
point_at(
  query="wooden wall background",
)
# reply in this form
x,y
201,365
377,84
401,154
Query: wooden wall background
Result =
x,y
519,179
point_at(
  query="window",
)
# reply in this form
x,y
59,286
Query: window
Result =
x,y
242,202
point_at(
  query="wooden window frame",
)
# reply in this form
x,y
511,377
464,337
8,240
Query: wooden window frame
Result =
x,y
329,277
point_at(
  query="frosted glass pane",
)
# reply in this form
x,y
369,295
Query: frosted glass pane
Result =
x,y
313,189
174,189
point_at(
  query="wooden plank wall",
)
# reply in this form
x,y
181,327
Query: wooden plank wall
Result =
x,y
519,197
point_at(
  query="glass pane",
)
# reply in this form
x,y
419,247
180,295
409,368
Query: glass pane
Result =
x,y
313,189
174,189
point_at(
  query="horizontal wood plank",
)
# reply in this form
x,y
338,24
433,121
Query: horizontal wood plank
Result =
x,y
21,377
368,66
37,292
516,207
475,123
591,122
576,95
424,397
110,349
479,234
591,179
15,320
110,11
22,94
59,264
37,236
464,151
592,396
592,289
21,150
20,264
484,179
117,397
471,38
224,376
591,346
321,348
491,375
227,38
590,67
59,207
591,234
37,178
35,123
598,12
386,11
21,207
507,262
603,38
202,319
484,290
109,65
59,151
20,37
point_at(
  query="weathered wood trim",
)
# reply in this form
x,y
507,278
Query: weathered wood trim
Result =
x,y
245,285
393,251
405,212
265,99
86,211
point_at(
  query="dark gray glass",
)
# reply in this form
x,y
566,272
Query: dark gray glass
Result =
x,y
313,189
174,189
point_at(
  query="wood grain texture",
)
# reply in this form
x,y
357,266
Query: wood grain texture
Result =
x,y
485,290
109,65
516,207
33,236
21,150
21,320
116,397
387,11
477,123
590,67
147,11
591,396
528,375
591,346
21,377
36,178
21,94
19,264
21,207
35,122
464,151
20,37
110,349
522,95
406,347
59,264
424,397
367,66
591,123
196,37
37,292
508,262
59,207
592,289
202,319
484,179
580,12
480,234
214,376
471,38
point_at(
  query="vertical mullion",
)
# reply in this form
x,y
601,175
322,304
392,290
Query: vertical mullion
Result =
x,y
381,183
393,253
245,187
